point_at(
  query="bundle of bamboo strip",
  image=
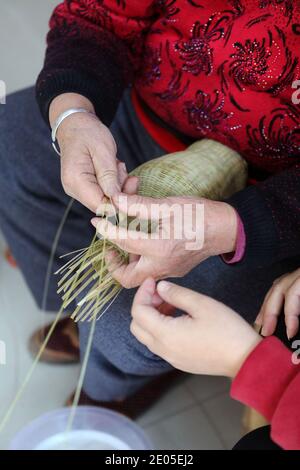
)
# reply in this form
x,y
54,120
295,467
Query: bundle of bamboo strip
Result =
x,y
205,169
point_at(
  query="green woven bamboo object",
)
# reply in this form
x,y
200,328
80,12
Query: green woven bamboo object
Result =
x,y
205,169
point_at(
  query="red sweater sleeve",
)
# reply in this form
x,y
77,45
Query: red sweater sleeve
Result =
x,y
269,382
93,49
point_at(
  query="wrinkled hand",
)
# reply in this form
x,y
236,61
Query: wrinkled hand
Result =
x,y
284,293
89,165
170,253
210,339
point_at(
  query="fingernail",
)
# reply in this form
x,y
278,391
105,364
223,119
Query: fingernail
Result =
x,y
264,331
164,286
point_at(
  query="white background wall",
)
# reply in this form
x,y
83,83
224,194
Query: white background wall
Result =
x,y
23,29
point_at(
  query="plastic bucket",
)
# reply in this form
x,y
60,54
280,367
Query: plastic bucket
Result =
x,y
93,429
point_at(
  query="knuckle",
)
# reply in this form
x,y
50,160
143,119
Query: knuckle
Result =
x,y
269,314
179,292
67,189
295,287
111,146
119,242
169,355
277,287
181,272
278,281
290,291
175,289
290,297
126,283
107,175
67,186
134,311
133,329
262,315
67,180
165,340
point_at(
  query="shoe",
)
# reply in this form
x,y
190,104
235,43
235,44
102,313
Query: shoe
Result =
x,y
139,402
63,346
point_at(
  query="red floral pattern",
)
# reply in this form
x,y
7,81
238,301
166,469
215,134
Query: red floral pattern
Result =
x,y
287,6
276,138
250,62
206,112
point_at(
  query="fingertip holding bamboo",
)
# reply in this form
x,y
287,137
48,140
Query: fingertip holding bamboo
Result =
x,y
205,169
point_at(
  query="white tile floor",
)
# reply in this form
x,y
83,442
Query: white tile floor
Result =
x,y
196,414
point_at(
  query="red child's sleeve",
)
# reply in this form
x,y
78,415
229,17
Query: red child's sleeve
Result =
x,y
269,382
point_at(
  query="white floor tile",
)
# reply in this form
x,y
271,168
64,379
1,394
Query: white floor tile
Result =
x,y
185,431
50,385
226,414
203,386
174,401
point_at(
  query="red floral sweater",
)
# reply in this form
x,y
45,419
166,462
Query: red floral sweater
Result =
x,y
222,69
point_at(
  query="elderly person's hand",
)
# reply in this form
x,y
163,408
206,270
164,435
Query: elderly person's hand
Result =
x,y
284,293
209,339
89,166
192,231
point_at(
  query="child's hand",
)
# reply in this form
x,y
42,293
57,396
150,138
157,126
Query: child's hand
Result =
x,y
210,339
284,292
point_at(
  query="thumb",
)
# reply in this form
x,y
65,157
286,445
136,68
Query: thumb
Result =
x,y
180,297
131,185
